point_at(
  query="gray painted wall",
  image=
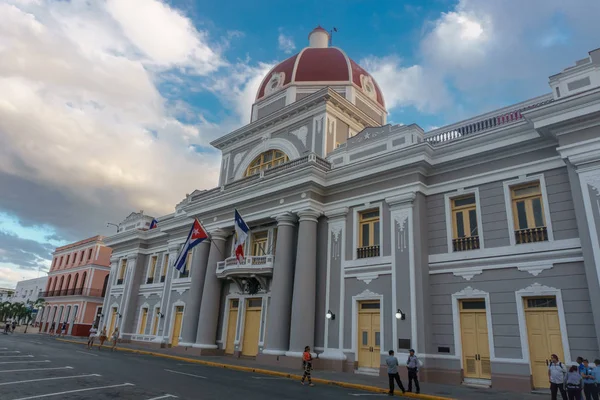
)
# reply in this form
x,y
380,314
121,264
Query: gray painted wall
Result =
x,y
493,215
502,285
560,199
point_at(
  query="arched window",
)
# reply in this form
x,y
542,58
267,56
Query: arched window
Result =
x,y
83,278
76,280
266,160
68,282
105,285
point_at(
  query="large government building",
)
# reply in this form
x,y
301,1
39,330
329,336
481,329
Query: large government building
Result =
x,y
475,244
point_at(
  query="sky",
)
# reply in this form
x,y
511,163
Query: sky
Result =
x,y
108,107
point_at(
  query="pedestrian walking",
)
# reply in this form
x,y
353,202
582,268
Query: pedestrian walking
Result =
x,y
103,338
52,327
574,383
92,336
307,365
115,338
556,374
413,369
63,331
589,382
392,367
14,325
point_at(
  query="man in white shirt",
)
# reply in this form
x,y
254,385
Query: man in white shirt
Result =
x,y
556,374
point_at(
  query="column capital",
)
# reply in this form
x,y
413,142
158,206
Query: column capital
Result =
x,y
173,247
402,200
309,215
132,257
337,213
114,259
219,234
286,219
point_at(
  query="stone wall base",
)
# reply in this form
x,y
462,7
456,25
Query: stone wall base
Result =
x,y
512,383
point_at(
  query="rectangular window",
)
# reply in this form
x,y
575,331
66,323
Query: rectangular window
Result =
x,y
254,303
528,213
68,258
151,270
473,304
122,269
368,234
370,306
90,251
541,302
259,243
465,229
163,272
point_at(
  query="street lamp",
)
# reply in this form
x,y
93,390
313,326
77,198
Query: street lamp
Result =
x,y
330,315
400,315
111,224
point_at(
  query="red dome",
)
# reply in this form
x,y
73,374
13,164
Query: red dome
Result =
x,y
320,66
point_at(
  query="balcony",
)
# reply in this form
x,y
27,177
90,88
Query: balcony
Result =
x,y
367,252
250,266
531,235
465,243
149,281
88,292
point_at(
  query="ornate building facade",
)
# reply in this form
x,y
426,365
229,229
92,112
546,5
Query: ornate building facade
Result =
x,y
475,244
77,283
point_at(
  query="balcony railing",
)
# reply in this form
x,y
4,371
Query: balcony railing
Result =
x,y
531,235
367,252
89,292
149,281
249,265
473,127
120,281
162,279
465,243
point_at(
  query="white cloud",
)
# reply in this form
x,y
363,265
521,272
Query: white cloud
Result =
x,y
286,43
164,35
407,86
10,276
80,112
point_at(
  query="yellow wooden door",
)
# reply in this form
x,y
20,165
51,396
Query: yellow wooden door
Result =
x,y
113,320
364,340
251,327
155,325
369,335
474,339
231,326
177,326
142,328
544,336
376,340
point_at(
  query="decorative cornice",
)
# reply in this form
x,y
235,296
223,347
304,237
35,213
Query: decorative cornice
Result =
x,y
470,292
535,270
337,213
403,200
367,293
368,278
537,289
469,274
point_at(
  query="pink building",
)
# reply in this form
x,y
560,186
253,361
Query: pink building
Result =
x,y
76,286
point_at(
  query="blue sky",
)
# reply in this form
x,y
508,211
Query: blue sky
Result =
x,y
109,107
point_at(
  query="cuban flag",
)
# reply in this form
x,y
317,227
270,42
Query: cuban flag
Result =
x,y
153,224
197,235
241,233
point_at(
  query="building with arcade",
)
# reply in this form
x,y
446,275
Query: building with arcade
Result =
x,y
476,244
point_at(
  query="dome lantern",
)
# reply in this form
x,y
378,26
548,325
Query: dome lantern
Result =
x,y
318,38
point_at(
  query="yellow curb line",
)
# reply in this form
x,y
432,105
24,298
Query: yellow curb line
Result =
x,y
267,372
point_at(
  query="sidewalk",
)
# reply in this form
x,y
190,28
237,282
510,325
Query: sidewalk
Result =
x,y
429,391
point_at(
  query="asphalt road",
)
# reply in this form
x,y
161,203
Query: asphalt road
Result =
x,y
39,367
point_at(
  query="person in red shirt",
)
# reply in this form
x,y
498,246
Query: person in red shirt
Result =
x,y
307,364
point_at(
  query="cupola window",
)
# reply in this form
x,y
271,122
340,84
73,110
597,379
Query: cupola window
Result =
x,y
266,160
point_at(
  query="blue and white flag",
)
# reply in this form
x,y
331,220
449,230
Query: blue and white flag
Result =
x,y
197,235
153,224
241,234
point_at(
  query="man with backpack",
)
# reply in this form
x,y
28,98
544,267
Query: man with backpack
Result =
x,y
556,374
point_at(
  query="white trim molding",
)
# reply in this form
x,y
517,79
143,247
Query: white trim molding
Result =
x,y
139,322
465,294
367,295
283,145
448,197
535,290
509,210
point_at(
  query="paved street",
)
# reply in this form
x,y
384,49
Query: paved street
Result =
x,y
38,367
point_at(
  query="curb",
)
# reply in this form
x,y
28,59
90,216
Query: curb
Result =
x,y
347,385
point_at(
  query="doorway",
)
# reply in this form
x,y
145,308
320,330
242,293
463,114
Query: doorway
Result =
x,y
231,325
252,327
369,334
475,342
544,336
177,326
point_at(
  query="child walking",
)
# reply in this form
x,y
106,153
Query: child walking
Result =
x,y
307,364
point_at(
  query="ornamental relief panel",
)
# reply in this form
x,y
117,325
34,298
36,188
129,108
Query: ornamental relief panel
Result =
x,y
335,231
400,220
